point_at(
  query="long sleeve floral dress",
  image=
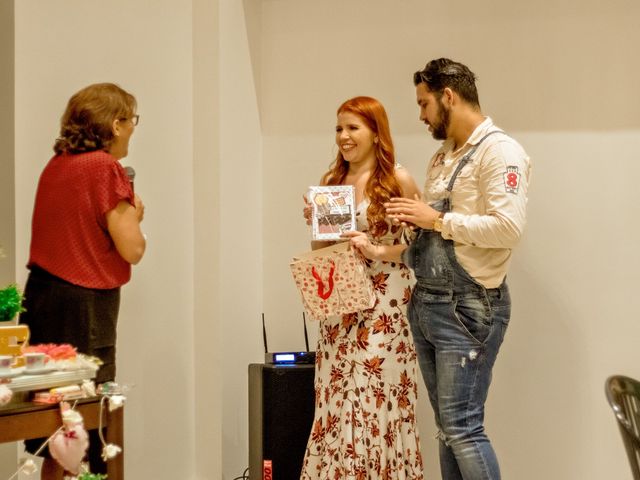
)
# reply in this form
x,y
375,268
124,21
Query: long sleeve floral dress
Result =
x,y
364,426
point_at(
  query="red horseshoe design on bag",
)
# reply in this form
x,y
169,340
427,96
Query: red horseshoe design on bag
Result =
x,y
321,292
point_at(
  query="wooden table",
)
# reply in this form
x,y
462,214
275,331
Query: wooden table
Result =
x,y
28,420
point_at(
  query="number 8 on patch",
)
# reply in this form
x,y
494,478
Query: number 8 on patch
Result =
x,y
511,179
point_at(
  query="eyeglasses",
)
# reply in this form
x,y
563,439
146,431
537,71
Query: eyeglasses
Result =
x,y
135,119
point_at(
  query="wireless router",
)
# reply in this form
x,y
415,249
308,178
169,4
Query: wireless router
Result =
x,y
288,358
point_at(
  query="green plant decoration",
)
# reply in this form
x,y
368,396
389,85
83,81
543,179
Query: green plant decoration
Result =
x,y
91,476
10,303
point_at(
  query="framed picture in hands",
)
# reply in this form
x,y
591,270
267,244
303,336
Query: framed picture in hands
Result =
x,y
332,211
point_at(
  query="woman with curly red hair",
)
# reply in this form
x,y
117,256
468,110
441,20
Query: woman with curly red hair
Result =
x,y
366,375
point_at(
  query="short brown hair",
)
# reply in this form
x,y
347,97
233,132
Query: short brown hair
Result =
x,y
86,124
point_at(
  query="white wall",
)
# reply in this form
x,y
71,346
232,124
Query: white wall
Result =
x,y
573,321
558,77
241,257
146,47
237,119
207,341
200,281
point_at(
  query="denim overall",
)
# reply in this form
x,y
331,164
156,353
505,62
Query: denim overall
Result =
x,y
458,326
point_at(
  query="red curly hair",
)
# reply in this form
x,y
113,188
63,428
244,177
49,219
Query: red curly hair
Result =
x,y
383,184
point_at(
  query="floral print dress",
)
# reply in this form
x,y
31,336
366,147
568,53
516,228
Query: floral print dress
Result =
x,y
364,425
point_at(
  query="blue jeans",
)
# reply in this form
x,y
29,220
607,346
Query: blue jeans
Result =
x,y
458,327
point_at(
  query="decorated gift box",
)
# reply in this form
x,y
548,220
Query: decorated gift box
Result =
x,y
333,211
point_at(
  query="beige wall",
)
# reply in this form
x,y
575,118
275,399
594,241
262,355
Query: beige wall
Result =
x,y
558,76
170,331
241,252
7,184
147,48
537,62
237,102
7,187
207,342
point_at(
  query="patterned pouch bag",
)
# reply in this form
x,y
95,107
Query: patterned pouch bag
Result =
x,y
332,281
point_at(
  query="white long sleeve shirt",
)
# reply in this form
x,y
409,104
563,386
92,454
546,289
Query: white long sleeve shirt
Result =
x,y
488,201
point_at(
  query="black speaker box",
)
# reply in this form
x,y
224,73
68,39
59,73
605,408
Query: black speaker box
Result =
x,y
281,406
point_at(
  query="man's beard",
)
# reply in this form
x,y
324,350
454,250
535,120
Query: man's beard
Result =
x,y
439,129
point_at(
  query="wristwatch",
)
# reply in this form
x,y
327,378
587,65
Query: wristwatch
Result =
x,y
437,224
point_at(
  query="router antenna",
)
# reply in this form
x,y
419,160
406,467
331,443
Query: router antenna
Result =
x,y
306,338
264,334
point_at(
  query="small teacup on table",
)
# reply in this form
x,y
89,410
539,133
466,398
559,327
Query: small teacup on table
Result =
x,y
6,361
36,361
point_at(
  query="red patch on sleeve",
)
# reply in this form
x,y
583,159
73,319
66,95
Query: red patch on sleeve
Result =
x,y
511,179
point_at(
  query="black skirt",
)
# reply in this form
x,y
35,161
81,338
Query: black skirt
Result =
x,y
60,312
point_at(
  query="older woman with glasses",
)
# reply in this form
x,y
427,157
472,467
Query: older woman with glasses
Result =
x,y
85,236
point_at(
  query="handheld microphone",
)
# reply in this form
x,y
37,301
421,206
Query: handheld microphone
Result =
x,y
131,173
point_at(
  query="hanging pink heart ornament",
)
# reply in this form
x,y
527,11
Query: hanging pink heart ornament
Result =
x,y
69,445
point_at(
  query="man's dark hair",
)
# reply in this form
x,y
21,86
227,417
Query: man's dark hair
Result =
x,y
442,73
